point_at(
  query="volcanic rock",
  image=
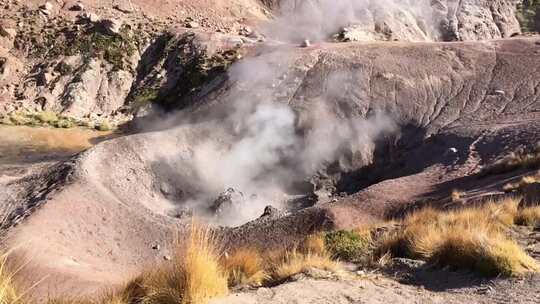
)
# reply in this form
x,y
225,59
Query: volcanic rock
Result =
x,y
77,7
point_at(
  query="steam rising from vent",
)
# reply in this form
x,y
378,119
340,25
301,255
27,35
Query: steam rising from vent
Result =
x,y
317,20
258,145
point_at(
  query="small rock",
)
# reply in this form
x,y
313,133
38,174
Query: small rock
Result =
x,y
46,8
270,211
9,33
306,43
361,273
77,7
123,8
89,17
192,24
485,290
451,152
156,247
406,264
228,201
167,257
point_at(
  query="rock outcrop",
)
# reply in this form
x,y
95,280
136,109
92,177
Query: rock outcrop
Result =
x,y
117,66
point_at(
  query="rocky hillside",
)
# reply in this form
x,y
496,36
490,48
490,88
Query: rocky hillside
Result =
x,y
271,120
100,64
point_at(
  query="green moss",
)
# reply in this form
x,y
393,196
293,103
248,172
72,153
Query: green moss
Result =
x,y
115,49
88,42
347,245
144,97
199,68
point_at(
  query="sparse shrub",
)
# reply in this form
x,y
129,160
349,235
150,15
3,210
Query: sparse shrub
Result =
x,y
19,119
46,117
64,123
245,267
347,245
470,238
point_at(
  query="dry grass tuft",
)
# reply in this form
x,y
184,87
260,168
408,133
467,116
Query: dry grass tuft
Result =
x,y
519,186
194,276
315,244
109,299
8,291
456,195
471,238
529,216
294,262
245,267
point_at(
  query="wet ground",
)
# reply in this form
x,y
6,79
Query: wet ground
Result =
x,y
21,146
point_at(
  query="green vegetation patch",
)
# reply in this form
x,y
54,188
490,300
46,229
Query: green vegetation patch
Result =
x,y
64,39
144,97
42,119
347,245
198,67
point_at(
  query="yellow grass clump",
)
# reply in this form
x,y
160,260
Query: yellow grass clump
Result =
x,y
8,291
472,238
194,276
315,243
105,300
245,267
529,216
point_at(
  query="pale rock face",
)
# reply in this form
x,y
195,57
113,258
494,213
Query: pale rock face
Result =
x,y
99,91
46,8
390,20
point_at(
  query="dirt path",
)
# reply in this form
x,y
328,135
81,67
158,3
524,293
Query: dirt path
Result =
x,y
372,290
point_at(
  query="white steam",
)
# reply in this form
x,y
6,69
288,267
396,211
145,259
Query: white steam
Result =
x,y
258,144
317,20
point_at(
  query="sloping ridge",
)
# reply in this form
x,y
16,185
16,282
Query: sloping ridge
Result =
x,y
100,227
